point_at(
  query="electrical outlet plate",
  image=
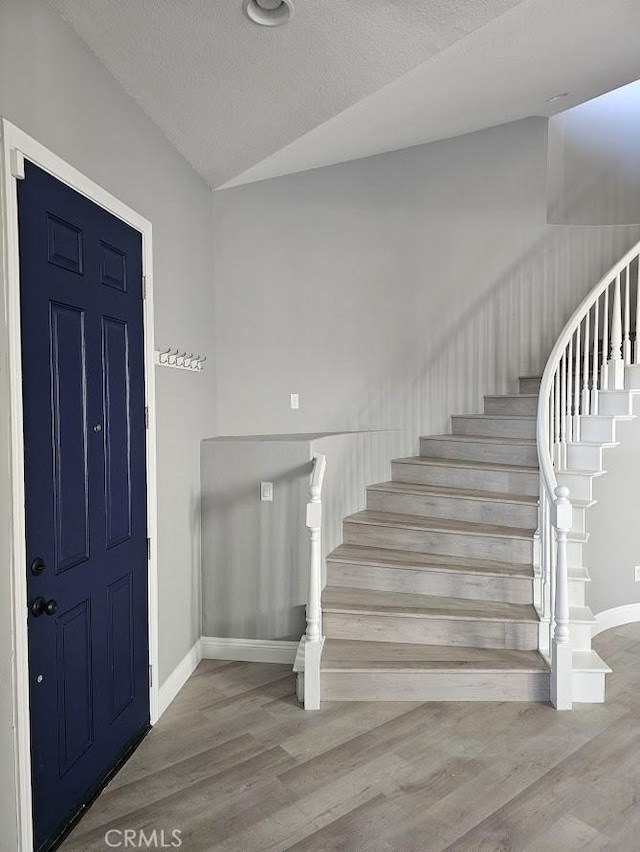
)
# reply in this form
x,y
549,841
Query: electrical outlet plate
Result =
x,y
266,491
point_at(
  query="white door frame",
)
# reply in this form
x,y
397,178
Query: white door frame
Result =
x,y
15,147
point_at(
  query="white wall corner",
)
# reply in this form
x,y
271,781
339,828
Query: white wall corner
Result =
x,y
179,676
249,650
616,617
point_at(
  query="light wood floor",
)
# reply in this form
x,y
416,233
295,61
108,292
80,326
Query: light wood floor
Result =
x,y
235,764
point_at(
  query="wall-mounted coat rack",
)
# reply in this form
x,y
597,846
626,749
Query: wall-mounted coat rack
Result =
x,y
180,360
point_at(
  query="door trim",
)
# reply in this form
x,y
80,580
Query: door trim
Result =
x,y
15,147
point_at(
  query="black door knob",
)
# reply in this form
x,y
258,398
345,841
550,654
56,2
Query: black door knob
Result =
x,y
40,606
37,566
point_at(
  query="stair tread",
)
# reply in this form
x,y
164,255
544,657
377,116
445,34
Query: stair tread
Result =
x,y
355,655
360,554
447,491
496,416
581,614
512,396
471,463
352,600
481,439
603,444
418,522
589,661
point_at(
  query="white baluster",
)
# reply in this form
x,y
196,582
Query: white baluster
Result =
x,y
569,389
595,367
626,340
636,359
556,418
615,363
563,411
576,389
605,342
585,368
561,662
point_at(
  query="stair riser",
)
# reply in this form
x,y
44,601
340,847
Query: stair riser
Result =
x,y
584,457
577,593
501,482
615,402
529,385
524,405
456,508
574,553
524,454
521,636
580,636
517,590
601,429
632,377
588,687
450,543
579,519
580,487
495,427
435,686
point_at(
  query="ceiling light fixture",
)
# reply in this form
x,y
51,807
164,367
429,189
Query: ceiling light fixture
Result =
x,y
268,13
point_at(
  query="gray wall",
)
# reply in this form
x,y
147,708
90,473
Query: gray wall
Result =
x,y
613,549
255,555
594,161
393,291
55,89
253,552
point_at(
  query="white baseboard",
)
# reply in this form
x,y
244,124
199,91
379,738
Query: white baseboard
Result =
x,y
616,617
213,648
249,650
179,676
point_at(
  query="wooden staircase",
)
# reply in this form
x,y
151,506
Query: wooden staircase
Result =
x,y
430,597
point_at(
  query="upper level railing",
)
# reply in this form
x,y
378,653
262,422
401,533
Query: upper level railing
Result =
x,y
313,636
590,356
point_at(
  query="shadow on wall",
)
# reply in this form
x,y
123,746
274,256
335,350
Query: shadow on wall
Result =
x,y
506,333
255,554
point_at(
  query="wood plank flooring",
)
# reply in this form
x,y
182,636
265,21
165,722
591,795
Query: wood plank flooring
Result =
x,y
237,765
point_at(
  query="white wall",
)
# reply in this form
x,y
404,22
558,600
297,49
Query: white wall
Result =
x,y
594,161
54,88
393,291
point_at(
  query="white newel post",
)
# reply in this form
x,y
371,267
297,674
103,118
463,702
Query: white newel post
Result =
x,y
313,636
561,659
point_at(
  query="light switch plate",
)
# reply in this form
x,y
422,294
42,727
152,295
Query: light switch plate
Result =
x,y
266,491
295,400
637,573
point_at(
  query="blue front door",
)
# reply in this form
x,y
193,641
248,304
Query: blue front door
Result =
x,y
85,490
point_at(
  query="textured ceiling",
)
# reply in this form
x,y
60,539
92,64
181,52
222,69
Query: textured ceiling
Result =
x,y
350,78
503,72
228,93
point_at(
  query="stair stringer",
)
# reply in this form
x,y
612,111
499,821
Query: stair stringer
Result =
x,y
585,457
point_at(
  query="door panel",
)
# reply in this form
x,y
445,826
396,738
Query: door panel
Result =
x,y
75,692
120,645
85,493
115,371
71,489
